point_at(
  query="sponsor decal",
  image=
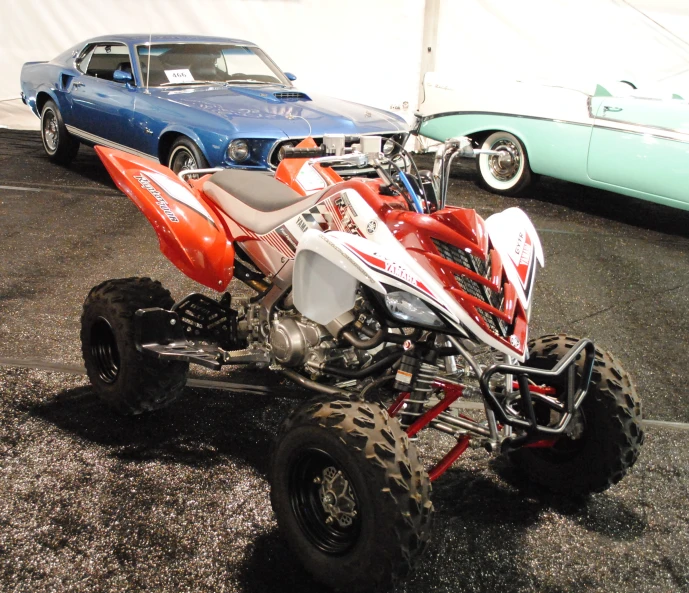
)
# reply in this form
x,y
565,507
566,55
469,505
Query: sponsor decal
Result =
x,y
371,227
162,203
522,255
348,204
401,272
514,340
301,223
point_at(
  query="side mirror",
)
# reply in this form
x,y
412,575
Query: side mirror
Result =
x,y
122,76
290,76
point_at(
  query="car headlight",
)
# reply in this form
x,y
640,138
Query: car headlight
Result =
x,y
407,307
388,148
238,151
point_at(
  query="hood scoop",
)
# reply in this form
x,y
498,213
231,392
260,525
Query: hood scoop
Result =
x,y
291,96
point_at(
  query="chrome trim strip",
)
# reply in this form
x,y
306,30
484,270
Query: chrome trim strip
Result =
x,y
644,133
637,128
103,142
596,122
426,118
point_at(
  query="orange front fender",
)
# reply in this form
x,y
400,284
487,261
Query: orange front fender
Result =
x,y
190,233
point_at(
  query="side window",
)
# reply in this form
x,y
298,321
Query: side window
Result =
x,y
83,59
102,61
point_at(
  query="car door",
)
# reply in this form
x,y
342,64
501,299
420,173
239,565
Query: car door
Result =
x,y
102,108
641,144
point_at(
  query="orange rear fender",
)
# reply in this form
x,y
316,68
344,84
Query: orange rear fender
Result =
x,y
191,234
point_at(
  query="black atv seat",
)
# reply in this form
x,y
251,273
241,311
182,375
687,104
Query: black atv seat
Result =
x,y
255,199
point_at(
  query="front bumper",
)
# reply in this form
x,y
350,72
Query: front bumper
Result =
x,y
563,374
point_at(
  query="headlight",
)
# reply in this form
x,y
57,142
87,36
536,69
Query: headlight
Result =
x,y
238,151
388,148
281,152
407,307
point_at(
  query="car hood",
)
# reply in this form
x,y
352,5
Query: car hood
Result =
x,y
276,111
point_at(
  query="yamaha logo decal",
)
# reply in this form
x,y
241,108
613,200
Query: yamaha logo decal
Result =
x,y
371,227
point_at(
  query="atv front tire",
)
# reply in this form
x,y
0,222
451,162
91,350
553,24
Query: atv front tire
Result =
x,y
123,377
350,494
609,426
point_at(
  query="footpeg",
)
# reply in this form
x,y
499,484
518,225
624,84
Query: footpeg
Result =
x,y
160,333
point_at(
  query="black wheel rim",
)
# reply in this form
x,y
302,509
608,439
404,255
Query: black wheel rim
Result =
x,y
104,351
307,482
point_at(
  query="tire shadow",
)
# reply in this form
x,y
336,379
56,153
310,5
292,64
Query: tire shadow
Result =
x,y
202,428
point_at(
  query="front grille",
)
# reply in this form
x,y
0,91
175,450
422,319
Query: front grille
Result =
x,y
349,140
291,96
473,288
453,254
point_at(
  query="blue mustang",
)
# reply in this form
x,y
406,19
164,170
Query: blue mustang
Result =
x,y
187,101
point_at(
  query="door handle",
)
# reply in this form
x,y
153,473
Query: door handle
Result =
x,y
612,109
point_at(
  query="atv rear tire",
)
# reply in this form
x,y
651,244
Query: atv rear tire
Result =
x,y
610,417
123,377
353,456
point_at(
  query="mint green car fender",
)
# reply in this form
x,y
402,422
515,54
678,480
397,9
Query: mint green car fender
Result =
x,y
628,147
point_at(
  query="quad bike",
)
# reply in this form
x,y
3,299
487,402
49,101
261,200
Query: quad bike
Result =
x,y
394,308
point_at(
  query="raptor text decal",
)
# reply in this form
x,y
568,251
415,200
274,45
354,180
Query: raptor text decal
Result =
x,y
164,206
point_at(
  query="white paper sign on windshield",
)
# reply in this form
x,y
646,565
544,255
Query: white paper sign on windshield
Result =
x,y
181,75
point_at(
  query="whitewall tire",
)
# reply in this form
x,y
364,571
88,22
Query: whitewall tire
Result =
x,y
508,173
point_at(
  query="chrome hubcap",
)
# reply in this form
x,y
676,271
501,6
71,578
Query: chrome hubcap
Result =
x,y
336,496
505,166
50,131
183,160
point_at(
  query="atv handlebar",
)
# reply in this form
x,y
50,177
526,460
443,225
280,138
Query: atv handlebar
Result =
x,y
303,153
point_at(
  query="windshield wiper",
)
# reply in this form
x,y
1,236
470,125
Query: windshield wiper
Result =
x,y
247,81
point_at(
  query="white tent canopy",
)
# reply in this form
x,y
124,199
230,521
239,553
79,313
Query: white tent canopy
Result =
x,y
376,51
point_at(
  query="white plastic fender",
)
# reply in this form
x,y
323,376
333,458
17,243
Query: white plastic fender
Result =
x,y
326,276
516,240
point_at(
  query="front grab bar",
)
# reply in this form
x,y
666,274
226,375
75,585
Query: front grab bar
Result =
x,y
565,368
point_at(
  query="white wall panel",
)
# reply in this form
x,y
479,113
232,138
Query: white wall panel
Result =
x,y
566,41
363,50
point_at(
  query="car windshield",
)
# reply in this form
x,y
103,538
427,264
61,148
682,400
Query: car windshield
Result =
x,y
202,63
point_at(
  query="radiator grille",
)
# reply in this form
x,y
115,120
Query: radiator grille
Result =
x,y
473,288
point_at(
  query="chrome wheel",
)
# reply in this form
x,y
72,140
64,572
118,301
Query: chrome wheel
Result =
x,y
507,172
181,159
51,131
507,165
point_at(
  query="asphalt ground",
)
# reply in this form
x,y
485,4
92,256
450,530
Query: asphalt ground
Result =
x,y
178,500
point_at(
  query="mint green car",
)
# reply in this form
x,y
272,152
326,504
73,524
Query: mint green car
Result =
x,y
613,138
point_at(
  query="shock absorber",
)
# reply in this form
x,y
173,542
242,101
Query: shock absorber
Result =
x,y
415,376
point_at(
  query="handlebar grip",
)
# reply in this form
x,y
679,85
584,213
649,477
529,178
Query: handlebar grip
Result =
x,y
303,153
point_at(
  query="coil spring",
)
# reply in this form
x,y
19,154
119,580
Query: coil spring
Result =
x,y
423,386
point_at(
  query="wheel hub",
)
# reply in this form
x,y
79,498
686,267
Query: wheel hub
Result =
x,y
335,494
50,130
506,165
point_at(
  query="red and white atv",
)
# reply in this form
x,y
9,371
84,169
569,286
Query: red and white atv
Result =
x,y
394,308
